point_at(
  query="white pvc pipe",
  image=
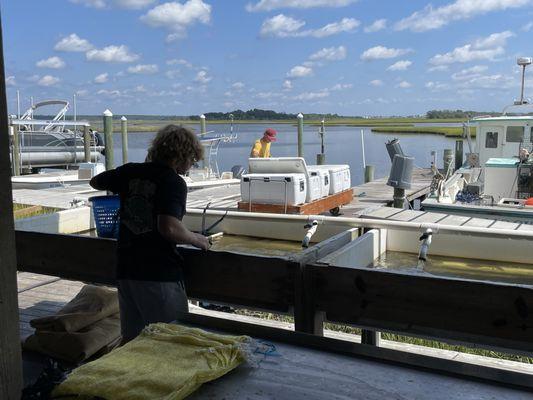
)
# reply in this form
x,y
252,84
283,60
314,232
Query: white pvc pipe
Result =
x,y
369,223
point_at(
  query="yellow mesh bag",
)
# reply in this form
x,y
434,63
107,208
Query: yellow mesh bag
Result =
x,y
166,361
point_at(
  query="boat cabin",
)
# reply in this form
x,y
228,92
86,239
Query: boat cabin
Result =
x,y
502,137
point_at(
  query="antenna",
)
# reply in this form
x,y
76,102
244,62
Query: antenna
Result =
x,y
523,62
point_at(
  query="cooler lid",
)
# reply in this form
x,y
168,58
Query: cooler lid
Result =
x,y
279,165
502,162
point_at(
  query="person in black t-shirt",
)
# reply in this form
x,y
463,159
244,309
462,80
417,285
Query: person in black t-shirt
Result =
x,y
153,201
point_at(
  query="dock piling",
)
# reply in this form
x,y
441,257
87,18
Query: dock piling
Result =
x,y
87,143
458,154
203,129
321,158
447,158
108,134
369,173
300,135
16,150
124,132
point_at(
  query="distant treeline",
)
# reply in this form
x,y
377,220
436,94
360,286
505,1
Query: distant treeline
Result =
x,y
260,115
442,114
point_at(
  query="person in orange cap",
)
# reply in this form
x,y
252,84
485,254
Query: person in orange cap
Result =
x,y
261,146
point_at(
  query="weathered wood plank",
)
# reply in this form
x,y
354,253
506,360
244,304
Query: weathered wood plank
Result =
x,y
493,315
10,352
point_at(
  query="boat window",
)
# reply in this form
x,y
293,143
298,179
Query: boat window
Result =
x,y
515,134
491,140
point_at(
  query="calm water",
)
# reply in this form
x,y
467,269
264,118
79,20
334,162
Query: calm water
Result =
x,y
342,146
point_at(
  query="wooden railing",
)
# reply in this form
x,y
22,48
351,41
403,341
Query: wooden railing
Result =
x,y
479,314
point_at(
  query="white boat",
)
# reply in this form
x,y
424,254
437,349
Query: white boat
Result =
x,y
496,180
55,142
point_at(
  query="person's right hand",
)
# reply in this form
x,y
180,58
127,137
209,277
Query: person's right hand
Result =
x,y
201,242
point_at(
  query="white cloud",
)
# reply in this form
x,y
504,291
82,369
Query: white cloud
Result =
x,y
238,86
269,5
527,27
377,25
381,52
404,85
433,18
341,86
300,72
307,96
267,95
48,80
90,3
177,17
52,62
173,73
33,78
287,84
376,82
102,78
202,77
134,4
438,68
180,61
482,49
143,69
496,81
73,43
469,73
109,93
400,65
330,54
115,54
436,86
10,81
281,26
140,89
493,40
344,25
82,93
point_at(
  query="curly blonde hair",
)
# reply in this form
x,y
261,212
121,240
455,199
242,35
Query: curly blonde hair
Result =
x,y
175,143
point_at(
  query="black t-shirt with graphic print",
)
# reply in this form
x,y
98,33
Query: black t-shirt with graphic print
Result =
x,y
146,190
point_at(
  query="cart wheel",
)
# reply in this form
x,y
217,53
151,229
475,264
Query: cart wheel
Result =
x,y
335,211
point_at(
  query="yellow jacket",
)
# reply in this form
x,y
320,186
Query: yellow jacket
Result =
x,y
260,149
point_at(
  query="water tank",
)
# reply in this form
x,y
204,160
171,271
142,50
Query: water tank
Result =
x,y
401,172
393,148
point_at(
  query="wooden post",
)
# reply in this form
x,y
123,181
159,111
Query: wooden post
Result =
x,y
124,132
203,129
369,173
458,154
447,158
398,198
108,133
87,143
10,350
16,150
300,135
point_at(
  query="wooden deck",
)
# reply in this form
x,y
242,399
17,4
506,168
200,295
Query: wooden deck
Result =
x,y
372,195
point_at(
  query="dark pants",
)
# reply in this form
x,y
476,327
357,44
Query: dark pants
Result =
x,y
145,302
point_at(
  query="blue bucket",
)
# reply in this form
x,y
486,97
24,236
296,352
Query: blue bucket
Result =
x,y
106,215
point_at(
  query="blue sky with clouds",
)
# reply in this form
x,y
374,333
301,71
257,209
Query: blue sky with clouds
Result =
x,y
351,57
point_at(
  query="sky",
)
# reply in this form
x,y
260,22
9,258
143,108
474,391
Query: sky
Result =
x,y
350,57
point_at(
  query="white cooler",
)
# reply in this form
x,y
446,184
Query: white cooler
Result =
x,y
324,179
339,177
314,187
274,188
287,165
